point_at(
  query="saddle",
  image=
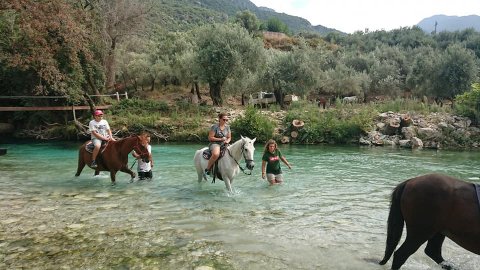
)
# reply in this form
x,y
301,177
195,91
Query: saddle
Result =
x,y
89,147
207,153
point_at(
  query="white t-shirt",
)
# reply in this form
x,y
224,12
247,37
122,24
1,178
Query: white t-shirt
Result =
x,y
101,127
144,166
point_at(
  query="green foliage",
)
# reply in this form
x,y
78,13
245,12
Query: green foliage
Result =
x,y
46,47
468,103
253,125
225,51
140,107
410,105
247,20
276,25
342,125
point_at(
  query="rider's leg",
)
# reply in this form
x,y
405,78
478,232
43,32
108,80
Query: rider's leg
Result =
x,y
215,149
97,143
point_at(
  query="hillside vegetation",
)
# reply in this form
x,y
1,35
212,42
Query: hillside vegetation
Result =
x,y
183,61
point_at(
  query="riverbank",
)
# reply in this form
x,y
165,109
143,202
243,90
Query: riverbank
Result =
x,y
406,124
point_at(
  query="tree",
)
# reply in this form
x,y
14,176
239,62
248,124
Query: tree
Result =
x,y
247,20
457,70
120,18
291,72
223,52
275,25
46,49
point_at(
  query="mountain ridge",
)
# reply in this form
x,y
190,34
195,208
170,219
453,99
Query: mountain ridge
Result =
x,y
440,23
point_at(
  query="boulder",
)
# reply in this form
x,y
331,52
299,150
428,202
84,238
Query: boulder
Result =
x,y
416,143
409,132
405,143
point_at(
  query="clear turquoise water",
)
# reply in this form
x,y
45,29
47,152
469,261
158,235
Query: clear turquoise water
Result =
x,y
329,214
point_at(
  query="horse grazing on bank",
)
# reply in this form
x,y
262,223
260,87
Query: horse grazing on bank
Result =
x,y
228,165
115,156
433,206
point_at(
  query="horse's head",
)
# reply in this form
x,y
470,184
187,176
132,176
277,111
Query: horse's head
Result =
x,y
141,146
248,150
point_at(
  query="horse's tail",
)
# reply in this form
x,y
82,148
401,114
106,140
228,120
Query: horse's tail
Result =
x,y
395,223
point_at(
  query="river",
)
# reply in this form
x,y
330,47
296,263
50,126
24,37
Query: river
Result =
x,y
330,213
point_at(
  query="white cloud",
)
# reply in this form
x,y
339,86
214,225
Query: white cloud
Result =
x,y
352,15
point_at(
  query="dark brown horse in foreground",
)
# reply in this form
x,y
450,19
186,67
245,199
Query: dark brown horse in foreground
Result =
x,y
433,206
115,156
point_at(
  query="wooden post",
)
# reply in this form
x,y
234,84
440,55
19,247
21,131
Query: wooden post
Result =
x,y
126,95
118,96
73,110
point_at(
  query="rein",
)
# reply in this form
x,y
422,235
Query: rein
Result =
x,y
243,153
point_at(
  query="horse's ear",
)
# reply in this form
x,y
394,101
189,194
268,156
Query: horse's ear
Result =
x,y
254,139
242,137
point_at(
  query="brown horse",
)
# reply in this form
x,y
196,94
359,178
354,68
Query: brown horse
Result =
x,y
433,206
115,156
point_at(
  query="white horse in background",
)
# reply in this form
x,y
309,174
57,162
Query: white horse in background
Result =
x,y
350,100
228,165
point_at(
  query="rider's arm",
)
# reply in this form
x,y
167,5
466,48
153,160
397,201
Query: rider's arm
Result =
x,y
229,137
98,136
110,135
212,138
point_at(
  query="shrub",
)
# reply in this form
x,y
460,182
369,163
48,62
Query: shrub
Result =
x,y
253,125
140,107
468,104
341,125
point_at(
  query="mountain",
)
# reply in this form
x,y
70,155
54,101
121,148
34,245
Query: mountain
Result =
x,y
183,14
450,23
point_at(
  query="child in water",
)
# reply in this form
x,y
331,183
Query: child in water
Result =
x,y
271,163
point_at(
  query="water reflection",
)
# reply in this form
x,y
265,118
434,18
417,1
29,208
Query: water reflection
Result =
x,y
330,213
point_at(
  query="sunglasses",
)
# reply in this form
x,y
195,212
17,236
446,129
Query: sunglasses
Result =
x,y
225,120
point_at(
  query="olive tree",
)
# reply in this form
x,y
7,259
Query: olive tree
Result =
x,y
291,72
443,74
223,51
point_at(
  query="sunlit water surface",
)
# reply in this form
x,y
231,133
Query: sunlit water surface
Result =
x,y
330,213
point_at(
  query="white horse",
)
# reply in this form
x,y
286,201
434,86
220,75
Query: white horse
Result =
x,y
228,165
350,100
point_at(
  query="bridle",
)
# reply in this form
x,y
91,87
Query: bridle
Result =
x,y
137,148
244,157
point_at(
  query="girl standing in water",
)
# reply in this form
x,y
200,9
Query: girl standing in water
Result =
x,y
271,163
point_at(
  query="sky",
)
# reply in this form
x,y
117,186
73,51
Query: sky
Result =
x,y
358,15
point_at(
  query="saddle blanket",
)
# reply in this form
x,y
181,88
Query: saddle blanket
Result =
x,y
89,147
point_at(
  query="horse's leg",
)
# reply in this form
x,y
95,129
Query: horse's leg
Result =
x,y
228,184
434,248
112,176
81,164
412,242
127,170
97,172
200,165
